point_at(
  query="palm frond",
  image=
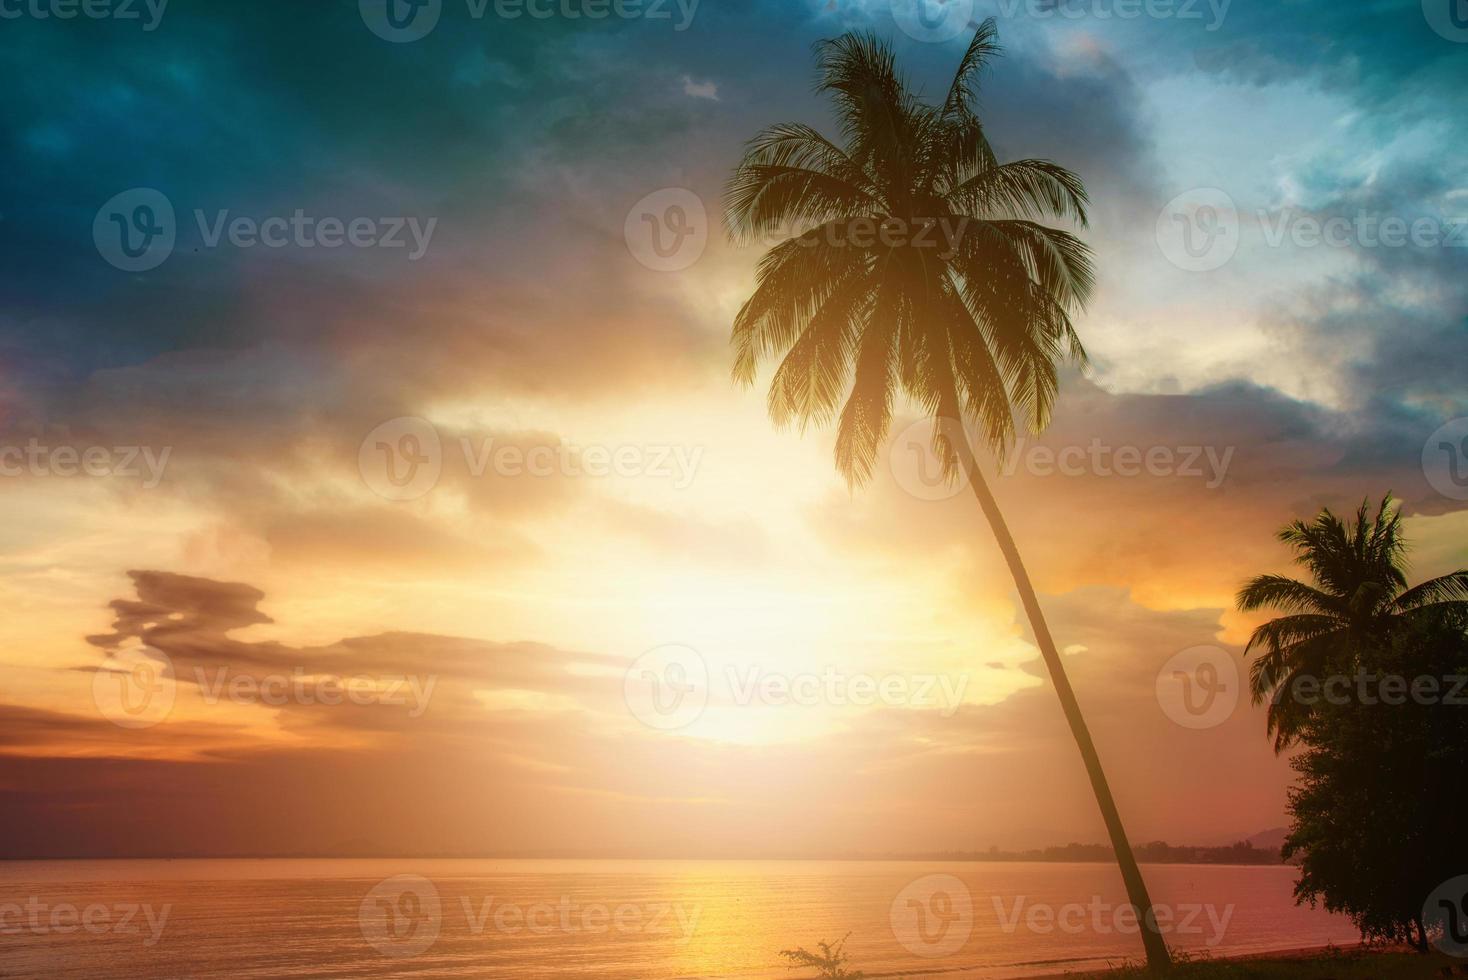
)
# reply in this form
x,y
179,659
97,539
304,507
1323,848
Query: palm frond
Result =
x,y
1452,587
1286,632
964,90
808,385
793,279
868,409
1022,188
1290,595
764,197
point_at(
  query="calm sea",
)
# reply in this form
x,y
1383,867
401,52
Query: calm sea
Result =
x,y
649,920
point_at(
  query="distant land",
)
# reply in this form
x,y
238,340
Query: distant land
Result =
x,y
1155,852
1260,848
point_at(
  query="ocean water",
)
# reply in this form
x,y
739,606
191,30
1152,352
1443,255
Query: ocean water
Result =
x,y
648,920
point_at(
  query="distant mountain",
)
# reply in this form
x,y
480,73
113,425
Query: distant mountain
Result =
x,y
1269,840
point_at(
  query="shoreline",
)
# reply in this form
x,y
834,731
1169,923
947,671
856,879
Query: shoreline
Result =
x,y
1297,954
20,859
1330,952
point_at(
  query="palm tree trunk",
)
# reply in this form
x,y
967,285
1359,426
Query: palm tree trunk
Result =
x,y
1158,959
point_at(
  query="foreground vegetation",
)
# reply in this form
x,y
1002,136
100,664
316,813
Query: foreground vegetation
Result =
x,y
1332,964
830,962
1377,811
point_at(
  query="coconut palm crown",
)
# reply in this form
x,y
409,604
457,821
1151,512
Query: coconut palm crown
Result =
x,y
1359,596
961,299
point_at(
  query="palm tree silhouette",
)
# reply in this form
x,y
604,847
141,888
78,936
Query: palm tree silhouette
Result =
x,y
970,329
1359,597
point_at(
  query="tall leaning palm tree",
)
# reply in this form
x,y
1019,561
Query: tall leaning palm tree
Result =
x,y
970,326
1359,597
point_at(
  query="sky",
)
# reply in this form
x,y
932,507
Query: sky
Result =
x,y
372,466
